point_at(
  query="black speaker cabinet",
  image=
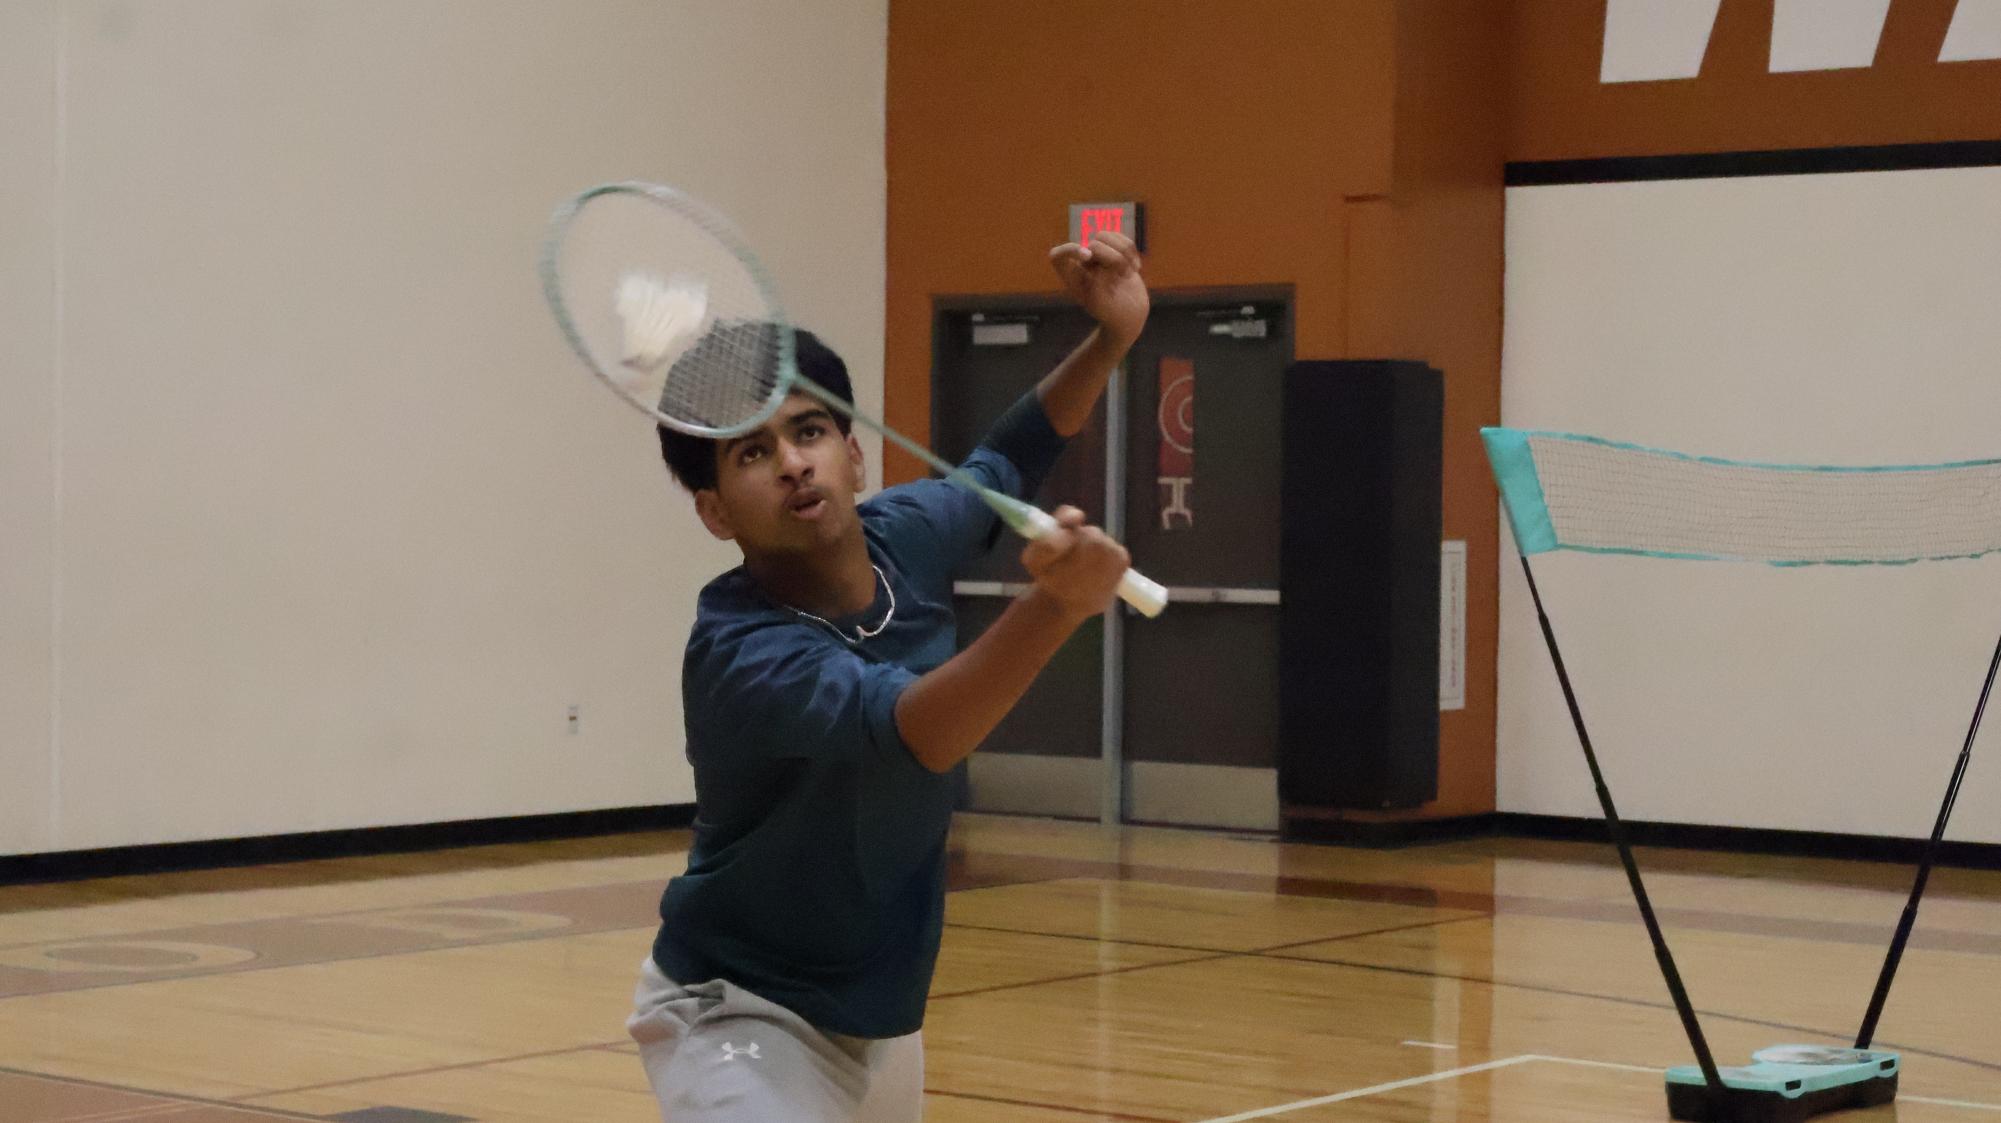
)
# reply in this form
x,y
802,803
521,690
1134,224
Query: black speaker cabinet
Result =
x,y
1359,577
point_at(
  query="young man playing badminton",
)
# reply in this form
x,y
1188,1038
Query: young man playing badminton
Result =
x,y
825,709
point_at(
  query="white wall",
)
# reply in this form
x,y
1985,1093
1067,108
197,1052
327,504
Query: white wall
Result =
x,y
343,528
1836,319
27,364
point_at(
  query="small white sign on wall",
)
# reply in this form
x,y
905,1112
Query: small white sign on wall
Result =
x,y
1452,626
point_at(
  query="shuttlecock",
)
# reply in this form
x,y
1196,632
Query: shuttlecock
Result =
x,y
662,318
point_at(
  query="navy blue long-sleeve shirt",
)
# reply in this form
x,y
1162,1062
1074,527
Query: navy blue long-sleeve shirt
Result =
x,y
817,875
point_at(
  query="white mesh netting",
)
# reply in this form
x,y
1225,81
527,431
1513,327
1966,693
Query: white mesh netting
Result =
x,y
1614,498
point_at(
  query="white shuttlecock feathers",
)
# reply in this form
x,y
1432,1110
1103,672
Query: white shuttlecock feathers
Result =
x,y
662,318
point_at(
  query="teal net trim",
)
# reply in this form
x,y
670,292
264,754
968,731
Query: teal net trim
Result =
x,y
1564,491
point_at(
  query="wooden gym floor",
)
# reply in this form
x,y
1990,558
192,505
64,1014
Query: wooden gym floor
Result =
x,y
1088,974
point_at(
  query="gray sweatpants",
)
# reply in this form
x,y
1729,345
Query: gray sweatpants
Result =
x,y
716,1053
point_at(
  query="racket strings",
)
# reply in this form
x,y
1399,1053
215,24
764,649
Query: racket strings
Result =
x,y
727,378
661,299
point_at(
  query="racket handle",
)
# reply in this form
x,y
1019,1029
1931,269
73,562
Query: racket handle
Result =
x,y
1147,596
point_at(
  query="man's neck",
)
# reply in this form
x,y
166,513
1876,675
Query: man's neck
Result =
x,y
831,583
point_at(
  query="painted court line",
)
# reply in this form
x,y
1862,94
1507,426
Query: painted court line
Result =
x,y
1468,1070
1614,1065
1967,1104
124,1113
1430,1045
1375,1090
1901,1098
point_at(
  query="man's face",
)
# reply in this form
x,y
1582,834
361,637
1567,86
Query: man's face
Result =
x,y
787,487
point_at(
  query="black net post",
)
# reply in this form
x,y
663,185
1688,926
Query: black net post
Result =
x,y
1910,918
1665,958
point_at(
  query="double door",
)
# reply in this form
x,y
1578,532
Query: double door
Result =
x,y
1173,719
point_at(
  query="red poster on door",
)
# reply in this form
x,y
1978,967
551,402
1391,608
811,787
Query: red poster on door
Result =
x,y
1177,443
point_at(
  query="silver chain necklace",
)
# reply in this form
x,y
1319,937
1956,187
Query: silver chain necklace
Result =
x,y
861,633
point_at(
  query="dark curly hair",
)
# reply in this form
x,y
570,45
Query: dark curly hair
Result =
x,y
692,460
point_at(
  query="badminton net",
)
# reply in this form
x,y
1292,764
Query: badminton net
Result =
x,y
1564,491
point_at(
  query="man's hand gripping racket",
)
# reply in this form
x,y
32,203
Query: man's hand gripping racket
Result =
x,y
665,303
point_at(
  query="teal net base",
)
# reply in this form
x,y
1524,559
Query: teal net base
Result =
x,y
1786,1090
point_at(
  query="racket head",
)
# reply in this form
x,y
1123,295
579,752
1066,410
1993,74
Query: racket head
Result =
x,y
725,362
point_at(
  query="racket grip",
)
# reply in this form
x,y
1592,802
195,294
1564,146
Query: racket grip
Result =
x,y
1145,594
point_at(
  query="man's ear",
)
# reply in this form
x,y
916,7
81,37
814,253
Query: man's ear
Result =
x,y
860,465
709,505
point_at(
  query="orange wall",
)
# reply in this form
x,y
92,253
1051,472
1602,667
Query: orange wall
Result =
x,y
1241,126
1558,110
1350,149
1425,282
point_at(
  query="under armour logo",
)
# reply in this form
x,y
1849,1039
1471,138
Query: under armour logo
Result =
x,y
731,1052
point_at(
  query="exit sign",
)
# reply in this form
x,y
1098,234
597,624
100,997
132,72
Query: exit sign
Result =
x,y
1087,219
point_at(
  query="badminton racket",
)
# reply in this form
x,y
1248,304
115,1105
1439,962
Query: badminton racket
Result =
x,y
666,304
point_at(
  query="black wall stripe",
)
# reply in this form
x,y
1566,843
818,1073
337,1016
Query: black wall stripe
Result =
x,y
75,864
1384,834
1755,840
70,865
1723,165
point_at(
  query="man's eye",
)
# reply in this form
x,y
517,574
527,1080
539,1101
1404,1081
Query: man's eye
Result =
x,y
749,454
810,432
